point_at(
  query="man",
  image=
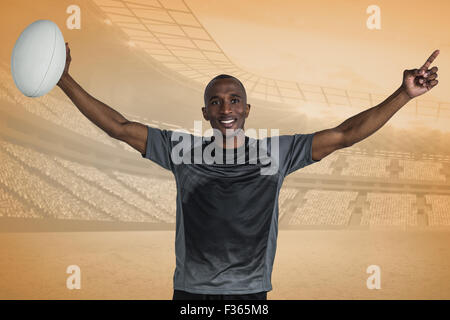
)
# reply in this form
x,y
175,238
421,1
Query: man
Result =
x,y
227,211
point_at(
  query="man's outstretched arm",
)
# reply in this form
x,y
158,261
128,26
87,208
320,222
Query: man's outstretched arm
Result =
x,y
415,83
103,116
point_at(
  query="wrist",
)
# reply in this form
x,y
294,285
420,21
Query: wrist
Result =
x,y
64,80
404,94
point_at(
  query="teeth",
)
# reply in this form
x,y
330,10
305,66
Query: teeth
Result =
x,y
227,121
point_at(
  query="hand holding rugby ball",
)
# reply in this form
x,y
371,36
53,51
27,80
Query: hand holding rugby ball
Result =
x,y
38,58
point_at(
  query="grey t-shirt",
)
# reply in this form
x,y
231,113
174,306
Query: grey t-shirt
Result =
x,y
227,214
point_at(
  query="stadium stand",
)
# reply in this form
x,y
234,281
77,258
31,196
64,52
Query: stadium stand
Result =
x,y
54,202
323,207
103,181
161,192
421,170
284,199
80,189
440,210
364,166
14,208
390,209
324,167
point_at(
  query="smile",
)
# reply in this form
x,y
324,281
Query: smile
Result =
x,y
228,123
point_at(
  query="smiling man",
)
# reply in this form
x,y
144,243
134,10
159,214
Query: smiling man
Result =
x,y
231,116
227,212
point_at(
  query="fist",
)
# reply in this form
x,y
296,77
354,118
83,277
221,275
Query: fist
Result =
x,y
418,81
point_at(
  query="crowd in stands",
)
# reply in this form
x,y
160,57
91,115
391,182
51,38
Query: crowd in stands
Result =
x,y
421,170
439,215
51,200
161,192
390,209
322,207
364,166
102,181
286,195
324,166
108,206
13,208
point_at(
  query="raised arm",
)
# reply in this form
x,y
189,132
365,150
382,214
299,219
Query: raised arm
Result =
x,y
415,83
103,116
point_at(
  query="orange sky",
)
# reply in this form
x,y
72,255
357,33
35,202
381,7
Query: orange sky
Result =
x,y
326,42
322,42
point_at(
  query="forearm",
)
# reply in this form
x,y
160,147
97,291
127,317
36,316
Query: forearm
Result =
x,y
367,122
96,111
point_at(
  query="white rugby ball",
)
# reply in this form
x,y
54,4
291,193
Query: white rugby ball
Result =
x,y
38,58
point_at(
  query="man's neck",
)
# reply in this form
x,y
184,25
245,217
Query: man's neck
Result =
x,y
233,142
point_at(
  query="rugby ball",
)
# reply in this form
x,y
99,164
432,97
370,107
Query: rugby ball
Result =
x,y
38,58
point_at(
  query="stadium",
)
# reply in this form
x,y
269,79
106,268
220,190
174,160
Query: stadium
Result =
x,y
69,194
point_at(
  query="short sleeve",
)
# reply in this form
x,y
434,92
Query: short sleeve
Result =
x,y
159,147
295,152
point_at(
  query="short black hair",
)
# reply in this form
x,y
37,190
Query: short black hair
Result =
x,y
223,76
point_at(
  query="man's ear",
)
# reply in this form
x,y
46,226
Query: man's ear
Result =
x,y
248,110
205,114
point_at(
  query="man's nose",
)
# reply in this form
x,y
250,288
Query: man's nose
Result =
x,y
225,108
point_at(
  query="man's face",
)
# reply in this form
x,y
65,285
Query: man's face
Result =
x,y
226,106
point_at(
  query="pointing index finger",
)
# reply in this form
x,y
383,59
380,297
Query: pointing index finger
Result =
x,y
430,60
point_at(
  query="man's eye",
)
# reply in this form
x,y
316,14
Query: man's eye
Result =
x,y
214,102
235,100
